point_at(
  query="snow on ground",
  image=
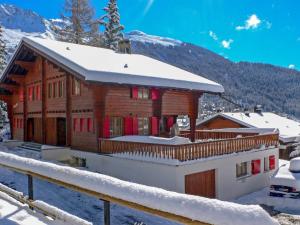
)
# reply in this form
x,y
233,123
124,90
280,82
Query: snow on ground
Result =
x,y
13,212
211,211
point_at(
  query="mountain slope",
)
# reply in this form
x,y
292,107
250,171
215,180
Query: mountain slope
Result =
x,y
275,88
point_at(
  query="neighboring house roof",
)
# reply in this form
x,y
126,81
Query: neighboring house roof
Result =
x,y
104,65
289,130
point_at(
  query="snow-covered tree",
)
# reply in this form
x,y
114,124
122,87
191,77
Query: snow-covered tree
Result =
x,y
2,51
79,25
113,29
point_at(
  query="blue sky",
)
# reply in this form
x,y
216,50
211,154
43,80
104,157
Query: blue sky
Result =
x,y
242,30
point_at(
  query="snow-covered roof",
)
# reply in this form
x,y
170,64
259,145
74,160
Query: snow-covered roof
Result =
x,y
289,130
104,65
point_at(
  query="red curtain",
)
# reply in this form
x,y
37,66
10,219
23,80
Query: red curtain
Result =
x,y
272,162
154,126
128,126
255,166
106,128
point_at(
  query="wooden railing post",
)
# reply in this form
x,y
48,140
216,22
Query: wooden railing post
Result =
x,y
30,188
106,212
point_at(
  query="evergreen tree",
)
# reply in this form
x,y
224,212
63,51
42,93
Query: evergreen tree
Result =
x,y
2,51
113,29
79,26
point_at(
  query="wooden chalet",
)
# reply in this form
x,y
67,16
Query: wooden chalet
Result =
x,y
71,95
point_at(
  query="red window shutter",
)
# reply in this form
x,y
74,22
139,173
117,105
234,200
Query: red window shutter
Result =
x,y
272,162
30,93
154,94
106,128
154,126
255,166
135,93
21,95
90,125
135,126
38,92
82,128
128,126
170,122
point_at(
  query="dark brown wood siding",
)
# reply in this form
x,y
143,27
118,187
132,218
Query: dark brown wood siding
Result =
x,y
219,123
201,184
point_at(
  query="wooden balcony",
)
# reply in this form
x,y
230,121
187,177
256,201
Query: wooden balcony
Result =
x,y
192,151
212,134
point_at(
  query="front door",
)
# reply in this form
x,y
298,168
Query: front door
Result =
x,y
61,131
30,129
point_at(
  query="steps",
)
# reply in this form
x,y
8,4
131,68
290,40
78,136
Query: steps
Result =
x,y
31,146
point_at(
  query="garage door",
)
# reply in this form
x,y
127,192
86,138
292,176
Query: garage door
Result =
x,y
201,184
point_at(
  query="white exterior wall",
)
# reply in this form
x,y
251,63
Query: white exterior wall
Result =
x,y
172,177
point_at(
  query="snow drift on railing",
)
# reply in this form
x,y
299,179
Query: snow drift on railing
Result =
x,y
196,208
61,215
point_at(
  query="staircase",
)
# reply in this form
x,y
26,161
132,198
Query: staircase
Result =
x,y
31,146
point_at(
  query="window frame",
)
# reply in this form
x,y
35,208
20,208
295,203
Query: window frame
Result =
x,y
116,128
242,174
143,126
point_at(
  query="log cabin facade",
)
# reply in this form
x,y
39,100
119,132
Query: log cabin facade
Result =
x,y
58,94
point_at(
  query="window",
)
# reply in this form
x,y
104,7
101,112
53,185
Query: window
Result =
x,y
116,126
242,169
90,125
54,89
76,89
143,126
140,93
49,90
60,89
266,164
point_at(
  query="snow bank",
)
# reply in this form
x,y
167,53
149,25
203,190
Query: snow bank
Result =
x,y
61,215
295,165
211,211
154,140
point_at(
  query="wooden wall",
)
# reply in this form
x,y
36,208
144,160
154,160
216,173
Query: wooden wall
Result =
x,y
219,123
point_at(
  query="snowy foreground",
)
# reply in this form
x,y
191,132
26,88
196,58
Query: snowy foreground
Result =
x,y
14,213
210,211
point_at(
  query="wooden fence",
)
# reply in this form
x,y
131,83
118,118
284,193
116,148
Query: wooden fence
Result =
x,y
192,151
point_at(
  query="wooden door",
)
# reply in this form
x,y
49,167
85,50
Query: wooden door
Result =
x,y
201,184
30,129
61,131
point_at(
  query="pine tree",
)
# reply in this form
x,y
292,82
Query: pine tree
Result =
x,y
2,51
113,29
79,25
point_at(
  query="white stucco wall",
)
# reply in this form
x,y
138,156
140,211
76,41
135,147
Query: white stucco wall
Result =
x,y
171,176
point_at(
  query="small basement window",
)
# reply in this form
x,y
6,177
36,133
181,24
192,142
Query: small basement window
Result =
x,y
242,169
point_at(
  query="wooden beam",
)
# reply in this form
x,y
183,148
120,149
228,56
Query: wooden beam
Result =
x,y
10,87
24,64
68,96
44,101
194,114
17,78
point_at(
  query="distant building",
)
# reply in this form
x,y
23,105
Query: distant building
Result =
x,y
289,130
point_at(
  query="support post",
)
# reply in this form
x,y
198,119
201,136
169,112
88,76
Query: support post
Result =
x,y
68,96
106,212
30,188
194,115
44,99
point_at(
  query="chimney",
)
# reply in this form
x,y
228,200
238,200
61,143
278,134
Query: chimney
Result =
x,y
124,46
258,109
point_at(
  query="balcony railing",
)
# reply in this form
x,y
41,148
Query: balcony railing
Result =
x,y
212,134
191,151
